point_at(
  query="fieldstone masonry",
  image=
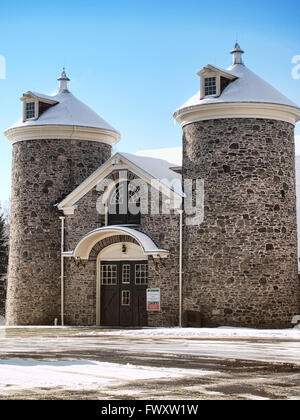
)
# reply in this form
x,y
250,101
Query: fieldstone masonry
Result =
x,y
80,286
44,171
240,265
2,296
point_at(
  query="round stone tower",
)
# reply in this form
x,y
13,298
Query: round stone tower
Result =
x,y
58,143
240,264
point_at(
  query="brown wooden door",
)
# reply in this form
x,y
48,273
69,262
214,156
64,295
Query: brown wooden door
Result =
x,y
123,293
109,301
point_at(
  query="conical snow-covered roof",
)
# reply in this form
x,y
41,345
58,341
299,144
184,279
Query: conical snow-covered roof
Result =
x,y
63,110
68,111
248,87
238,92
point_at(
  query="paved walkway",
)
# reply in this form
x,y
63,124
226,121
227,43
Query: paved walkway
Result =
x,y
72,341
67,363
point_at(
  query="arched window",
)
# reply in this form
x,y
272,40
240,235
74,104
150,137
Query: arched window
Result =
x,y
124,205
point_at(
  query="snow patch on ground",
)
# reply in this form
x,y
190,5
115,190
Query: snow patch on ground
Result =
x,y
17,374
222,332
2,321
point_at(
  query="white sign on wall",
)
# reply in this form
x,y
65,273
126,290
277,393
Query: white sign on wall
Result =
x,y
153,300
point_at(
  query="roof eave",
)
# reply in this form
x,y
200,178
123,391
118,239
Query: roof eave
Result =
x,y
37,131
242,109
86,243
30,94
69,201
217,70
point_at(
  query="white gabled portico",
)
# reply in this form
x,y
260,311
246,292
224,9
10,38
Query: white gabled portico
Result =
x,y
86,244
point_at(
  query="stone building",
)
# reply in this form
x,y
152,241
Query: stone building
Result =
x,y
102,240
2,297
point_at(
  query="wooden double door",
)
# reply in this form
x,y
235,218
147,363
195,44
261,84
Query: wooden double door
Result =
x,y
123,293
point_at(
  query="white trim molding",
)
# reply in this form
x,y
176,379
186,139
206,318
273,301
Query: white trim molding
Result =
x,y
211,71
69,211
270,111
116,163
87,243
36,109
114,253
43,132
28,96
32,97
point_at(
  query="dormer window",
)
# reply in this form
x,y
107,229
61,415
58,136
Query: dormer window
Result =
x,y
30,110
34,105
210,84
214,81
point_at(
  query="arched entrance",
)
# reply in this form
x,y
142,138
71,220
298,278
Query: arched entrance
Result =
x,y
122,285
124,253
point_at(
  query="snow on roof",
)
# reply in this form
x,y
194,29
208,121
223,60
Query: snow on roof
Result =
x,y
211,67
159,169
42,96
85,245
68,111
173,154
248,87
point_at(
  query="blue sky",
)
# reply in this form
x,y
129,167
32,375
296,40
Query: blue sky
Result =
x,y
135,62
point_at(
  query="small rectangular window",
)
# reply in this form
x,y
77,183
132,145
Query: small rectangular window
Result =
x,y
141,274
30,110
210,84
109,275
126,274
125,297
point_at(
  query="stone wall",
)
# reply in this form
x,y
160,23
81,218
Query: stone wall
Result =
x,y
80,285
80,293
164,274
240,265
2,296
43,172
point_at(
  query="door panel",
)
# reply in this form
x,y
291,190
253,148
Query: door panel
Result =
x,y
140,313
123,293
110,306
126,308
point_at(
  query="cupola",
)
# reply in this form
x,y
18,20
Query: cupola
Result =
x,y
237,53
63,82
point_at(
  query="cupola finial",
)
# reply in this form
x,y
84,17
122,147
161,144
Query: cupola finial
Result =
x,y
63,81
237,54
